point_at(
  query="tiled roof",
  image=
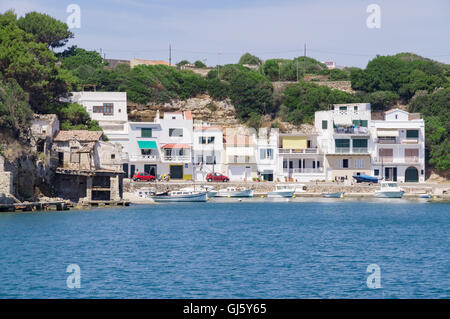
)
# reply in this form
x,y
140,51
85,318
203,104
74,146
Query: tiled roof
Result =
x,y
79,135
176,146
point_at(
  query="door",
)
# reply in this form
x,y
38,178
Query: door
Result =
x,y
394,174
132,170
151,169
176,171
387,175
411,175
125,169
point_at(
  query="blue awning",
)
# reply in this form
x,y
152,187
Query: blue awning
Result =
x,y
147,145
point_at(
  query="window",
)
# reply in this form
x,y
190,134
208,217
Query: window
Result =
x,y
355,108
210,160
412,133
266,153
345,163
175,132
324,125
342,143
146,132
342,108
113,156
206,140
360,143
108,109
146,151
376,172
284,164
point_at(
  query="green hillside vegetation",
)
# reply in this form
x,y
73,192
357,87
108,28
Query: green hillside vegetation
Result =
x,y
31,81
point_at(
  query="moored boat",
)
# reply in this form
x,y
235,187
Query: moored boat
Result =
x,y
389,190
180,196
282,191
235,192
211,192
333,195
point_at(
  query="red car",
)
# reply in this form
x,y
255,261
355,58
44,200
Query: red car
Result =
x,y
217,177
142,176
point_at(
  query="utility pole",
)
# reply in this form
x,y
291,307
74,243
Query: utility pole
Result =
x,y
304,61
170,54
218,64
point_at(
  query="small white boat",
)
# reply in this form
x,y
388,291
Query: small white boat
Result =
x,y
425,196
180,196
333,195
145,193
282,191
211,192
235,192
389,190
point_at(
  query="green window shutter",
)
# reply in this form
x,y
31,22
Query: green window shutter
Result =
x,y
360,143
324,125
412,134
362,123
342,142
146,132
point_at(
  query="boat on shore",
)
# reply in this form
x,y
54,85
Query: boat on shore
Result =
x,y
211,192
235,192
282,191
333,195
180,196
365,179
389,190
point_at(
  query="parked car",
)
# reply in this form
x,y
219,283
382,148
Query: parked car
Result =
x,y
142,176
217,177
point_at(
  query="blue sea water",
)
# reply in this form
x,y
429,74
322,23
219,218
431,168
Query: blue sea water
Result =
x,y
252,249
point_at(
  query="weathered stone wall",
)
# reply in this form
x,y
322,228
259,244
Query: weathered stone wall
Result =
x,y
6,183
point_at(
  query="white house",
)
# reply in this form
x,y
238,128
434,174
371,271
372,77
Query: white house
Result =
x,y
399,146
207,150
175,144
344,138
267,153
300,159
240,154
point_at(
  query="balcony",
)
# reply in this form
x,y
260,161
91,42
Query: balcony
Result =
x,y
291,171
391,159
351,130
143,158
177,158
298,151
354,150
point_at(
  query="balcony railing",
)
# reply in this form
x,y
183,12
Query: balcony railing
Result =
x,y
143,158
176,158
298,151
302,170
354,150
391,159
360,150
351,130
343,150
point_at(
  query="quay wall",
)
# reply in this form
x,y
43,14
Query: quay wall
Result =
x,y
261,188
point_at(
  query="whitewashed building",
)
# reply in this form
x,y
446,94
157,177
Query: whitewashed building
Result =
x,y
300,158
344,138
267,153
399,147
207,151
240,154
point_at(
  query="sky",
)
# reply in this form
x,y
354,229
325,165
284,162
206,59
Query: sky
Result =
x,y
220,31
